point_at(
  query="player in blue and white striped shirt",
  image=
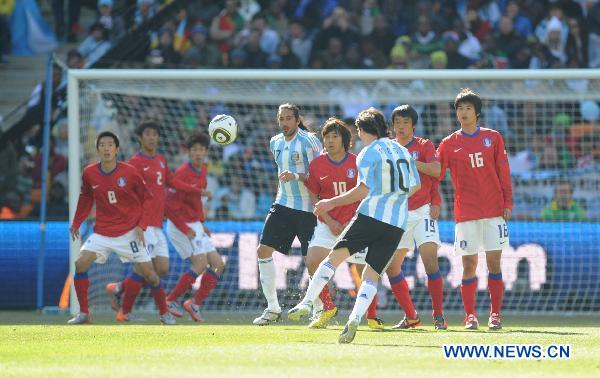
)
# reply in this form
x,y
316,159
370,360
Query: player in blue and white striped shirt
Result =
x,y
387,176
290,216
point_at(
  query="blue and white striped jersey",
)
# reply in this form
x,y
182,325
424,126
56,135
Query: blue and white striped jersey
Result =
x,y
294,156
389,170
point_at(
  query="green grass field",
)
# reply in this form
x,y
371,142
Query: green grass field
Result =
x,y
42,346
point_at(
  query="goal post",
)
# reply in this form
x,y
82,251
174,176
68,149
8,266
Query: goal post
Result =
x,y
532,108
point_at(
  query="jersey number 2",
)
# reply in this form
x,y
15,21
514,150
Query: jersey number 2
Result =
x,y
399,162
112,197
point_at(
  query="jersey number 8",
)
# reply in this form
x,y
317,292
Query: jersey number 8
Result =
x,y
112,197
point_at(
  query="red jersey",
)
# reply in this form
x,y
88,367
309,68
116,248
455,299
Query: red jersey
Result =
x,y
122,200
423,150
327,179
185,207
155,172
480,173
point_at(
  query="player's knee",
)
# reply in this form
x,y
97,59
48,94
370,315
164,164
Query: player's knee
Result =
x,y
162,271
264,252
312,263
80,266
152,278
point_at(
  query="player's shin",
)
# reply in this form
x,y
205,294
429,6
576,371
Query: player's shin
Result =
x,y
402,294
435,286
158,293
364,297
496,289
82,284
186,281
134,285
322,275
207,284
266,268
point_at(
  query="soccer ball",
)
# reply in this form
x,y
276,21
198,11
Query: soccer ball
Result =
x,y
223,129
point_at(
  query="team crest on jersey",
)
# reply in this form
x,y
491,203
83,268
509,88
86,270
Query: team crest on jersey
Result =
x,y
121,181
162,165
350,173
295,156
487,142
415,154
463,244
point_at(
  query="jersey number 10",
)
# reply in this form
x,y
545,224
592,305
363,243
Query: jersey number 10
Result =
x,y
399,162
339,187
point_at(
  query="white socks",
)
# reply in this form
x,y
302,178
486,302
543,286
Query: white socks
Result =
x,y
321,277
364,297
266,267
317,303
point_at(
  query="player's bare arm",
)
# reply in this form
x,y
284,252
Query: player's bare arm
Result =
x,y
414,189
353,195
433,169
290,176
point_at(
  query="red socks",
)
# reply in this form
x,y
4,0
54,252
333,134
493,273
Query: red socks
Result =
x,y
82,283
468,289
325,297
400,290
160,298
372,310
186,280
207,283
496,289
131,288
435,285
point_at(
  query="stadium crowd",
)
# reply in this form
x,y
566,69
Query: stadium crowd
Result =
x,y
330,34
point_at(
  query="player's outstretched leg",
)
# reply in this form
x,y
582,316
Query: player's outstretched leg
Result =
x,y
82,284
322,275
186,280
364,297
210,279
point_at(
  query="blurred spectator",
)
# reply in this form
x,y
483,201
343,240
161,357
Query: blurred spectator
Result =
x,y
248,9
455,59
75,59
491,56
226,25
146,9
488,11
240,203
269,39
25,179
382,34
202,53
72,27
289,59
370,10
398,58
554,42
10,206
8,166
468,45
479,27
276,17
577,43
95,45
338,26
593,22
495,118
274,62
334,54
114,24
540,55
300,42
181,36
563,207
555,12
238,59
164,55
255,56
57,207
424,39
507,40
57,164
372,56
521,24
354,59
6,9
439,60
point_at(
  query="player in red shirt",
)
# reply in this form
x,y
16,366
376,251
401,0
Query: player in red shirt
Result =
x,y
123,206
422,228
480,174
331,174
188,235
153,168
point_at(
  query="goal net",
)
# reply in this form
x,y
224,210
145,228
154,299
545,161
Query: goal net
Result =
x,y
549,120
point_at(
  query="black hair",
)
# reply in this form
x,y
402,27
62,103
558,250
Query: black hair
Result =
x,y
467,95
406,111
109,134
372,122
296,110
147,124
337,125
197,138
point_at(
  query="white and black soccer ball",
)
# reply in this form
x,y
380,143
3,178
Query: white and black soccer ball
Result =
x,y
223,129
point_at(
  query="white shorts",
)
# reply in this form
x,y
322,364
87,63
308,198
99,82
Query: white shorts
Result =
x,y
156,242
186,248
324,238
420,229
128,249
472,237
